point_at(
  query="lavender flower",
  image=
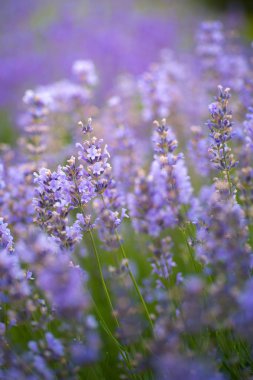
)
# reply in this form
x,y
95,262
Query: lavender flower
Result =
x,y
63,284
193,265
178,184
245,170
163,263
159,87
13,283
57,194
223,236
220,126
16,196
36,124
150,214
6,239
125,157
84,71
111,212
64,96
198,151
181,367
98,170
157,200
36,105
210,42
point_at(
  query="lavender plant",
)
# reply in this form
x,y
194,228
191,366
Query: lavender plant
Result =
x,y
126,260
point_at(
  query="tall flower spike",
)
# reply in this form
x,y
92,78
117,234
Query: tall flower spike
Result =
x,y
6,239
197,150
98,173
220,126
163,263
16,196
125,157
222,235
111,212
210,40
95,157
172,166
53,202
245,169
160,87
149,210
37,128
157,199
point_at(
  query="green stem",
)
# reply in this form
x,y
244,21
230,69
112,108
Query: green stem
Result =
x,y
131,274
102,277
189,249
108,331
134,281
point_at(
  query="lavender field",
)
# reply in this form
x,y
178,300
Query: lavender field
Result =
x,y
126,191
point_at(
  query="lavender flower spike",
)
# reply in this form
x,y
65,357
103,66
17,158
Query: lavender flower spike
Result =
x,y
220,126
6,239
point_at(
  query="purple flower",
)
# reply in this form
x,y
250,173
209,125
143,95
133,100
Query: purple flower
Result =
x,y
162,263
220,126
56,195
6,239
222,236
198,151
37,105
84,71
149,210
13,282
110,213
210,40
245,167
160,87
181,368
97,169
63,284
54,344
157,199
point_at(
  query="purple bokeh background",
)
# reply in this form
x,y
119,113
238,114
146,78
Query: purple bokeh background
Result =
x,y
40,40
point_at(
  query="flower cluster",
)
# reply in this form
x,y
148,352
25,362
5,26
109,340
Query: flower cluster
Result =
x,y
157,199
53,204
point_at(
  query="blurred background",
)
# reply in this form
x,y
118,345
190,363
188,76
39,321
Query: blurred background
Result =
x,y
39,40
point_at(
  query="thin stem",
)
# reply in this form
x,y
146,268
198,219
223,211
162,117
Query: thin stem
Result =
x,y
134,281
108,331
131,274
101,276
189,249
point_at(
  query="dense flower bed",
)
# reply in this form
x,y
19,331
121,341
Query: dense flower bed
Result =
x,y
126,228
